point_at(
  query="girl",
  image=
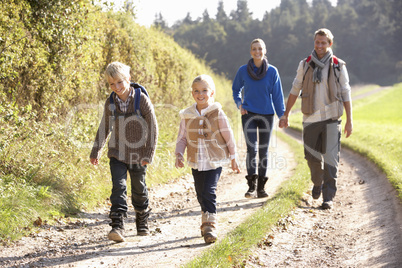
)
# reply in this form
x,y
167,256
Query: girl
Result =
x,y
257,92
205,131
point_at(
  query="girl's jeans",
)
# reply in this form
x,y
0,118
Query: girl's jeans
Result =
x,y
139,192
205,183
253,124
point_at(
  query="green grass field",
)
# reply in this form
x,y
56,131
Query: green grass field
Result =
x,y
377,128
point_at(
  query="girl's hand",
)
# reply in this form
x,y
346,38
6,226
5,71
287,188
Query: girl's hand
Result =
x,y
179,161
235,166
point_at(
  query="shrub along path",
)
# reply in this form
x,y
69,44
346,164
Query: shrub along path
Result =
x,y
363,229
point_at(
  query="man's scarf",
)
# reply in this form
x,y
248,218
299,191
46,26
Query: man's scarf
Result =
x,y
319,64
261,71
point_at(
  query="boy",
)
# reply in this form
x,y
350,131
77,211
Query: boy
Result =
x,y
131,148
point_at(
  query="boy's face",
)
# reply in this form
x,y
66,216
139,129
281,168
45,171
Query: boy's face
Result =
x,y
120,86
202,94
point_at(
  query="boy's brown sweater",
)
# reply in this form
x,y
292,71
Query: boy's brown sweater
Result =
x,y
133,139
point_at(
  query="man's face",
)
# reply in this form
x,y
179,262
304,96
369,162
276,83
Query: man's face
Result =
x,y
321,45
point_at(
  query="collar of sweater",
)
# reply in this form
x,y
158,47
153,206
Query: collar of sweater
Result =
x,y
191,112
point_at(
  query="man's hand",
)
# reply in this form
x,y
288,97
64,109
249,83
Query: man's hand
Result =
x,y
283,122
348,128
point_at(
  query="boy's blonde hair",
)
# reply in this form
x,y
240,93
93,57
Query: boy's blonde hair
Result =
x,y
325,32
117,70
206,79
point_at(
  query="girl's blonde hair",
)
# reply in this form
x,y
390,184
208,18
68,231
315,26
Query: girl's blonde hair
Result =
x,y
117,70
206,79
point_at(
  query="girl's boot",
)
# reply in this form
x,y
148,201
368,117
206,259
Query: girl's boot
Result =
x,y
252,185
208,229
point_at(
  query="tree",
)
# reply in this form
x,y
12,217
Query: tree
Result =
x,y
221,16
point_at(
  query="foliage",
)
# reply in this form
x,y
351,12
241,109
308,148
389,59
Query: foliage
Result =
x,y
52,92
367,35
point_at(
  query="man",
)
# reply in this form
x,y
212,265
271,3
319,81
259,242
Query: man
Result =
x,y
323,81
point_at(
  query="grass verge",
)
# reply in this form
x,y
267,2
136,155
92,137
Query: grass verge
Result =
x,y
235,247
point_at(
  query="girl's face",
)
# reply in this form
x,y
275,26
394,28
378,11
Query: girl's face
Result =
x,y
120,86
202,94
257,51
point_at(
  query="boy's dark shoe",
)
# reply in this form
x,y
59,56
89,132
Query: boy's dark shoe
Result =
x,y
252,185
260,187
117,232
141,221
327,205
316,192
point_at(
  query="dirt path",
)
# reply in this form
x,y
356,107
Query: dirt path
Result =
x,y
174,224
363,230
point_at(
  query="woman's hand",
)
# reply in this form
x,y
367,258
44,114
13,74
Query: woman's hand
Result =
x,y
242,111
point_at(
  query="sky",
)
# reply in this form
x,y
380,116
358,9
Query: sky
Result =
x,y
174,10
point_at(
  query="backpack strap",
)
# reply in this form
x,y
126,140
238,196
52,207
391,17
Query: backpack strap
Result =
x,y
112,105
137,97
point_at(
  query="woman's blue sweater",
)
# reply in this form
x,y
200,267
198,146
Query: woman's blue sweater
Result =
x,y
259,96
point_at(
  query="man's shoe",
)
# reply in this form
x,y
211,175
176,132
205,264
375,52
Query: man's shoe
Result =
x,y
327,205
116,234
316,192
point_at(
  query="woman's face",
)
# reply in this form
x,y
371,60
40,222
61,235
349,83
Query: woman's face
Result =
x,y
257,51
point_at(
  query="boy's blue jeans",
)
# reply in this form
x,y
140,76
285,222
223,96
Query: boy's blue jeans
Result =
x,y
139,192
205,183
252,124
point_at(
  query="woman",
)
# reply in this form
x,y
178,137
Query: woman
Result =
x,y
257,92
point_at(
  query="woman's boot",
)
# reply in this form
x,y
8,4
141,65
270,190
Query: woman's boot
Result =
x,y
252,185
261,185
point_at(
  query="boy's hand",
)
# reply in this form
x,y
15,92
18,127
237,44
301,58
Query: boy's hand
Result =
x,y
179,161
235,166
144,163
94,161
